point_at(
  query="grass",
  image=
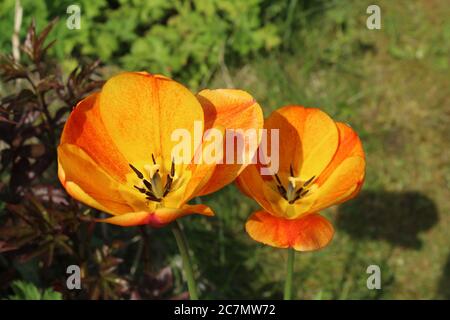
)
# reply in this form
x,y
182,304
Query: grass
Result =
x,y
392,86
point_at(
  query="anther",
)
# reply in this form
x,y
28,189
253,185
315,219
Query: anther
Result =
x,y
309,181
141,190
281,190
168,185
148,184
153,186
278,179
280,187
295,199
291,194
299,191
152,198
138,173
172,168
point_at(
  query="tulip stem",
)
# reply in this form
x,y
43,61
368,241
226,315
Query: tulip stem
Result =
x,y
289,272
187,265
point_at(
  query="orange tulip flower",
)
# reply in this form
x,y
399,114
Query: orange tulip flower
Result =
x,y
115,149
321,163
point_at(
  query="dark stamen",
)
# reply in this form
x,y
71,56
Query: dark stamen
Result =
x,y
278,179
295,199
148,190
168,185
141,190
291,170
280,187
153,198
148,184
309,181
172,169
138,173
281,190
304,193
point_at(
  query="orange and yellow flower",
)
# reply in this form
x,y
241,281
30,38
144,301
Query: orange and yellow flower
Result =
x,y
321,163
115,149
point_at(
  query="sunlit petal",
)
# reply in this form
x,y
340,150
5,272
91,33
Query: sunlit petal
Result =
x,y
308,139
157,218
87,182
308,233
233,110
141,111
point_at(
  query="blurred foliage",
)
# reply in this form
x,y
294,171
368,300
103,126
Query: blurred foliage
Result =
x,y
186,39
28,291
40,225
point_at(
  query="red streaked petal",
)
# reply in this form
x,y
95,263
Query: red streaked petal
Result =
x,y
85,129
349,146
344,176
308,233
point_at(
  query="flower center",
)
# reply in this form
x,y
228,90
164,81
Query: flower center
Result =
x,y
296,189
154,189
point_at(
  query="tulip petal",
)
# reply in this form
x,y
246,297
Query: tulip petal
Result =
x,y
308,139
78,193
309,233
141,111
131,219
85,128
87,182
202,172
158,218
343,183
343,177
231,109
251,183
349,146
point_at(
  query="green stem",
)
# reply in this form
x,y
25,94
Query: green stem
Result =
x,y
187,265
289,272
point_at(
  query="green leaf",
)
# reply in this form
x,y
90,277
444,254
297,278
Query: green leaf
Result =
x,y
28,291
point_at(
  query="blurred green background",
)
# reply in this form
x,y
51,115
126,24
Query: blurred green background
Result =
x,y
392,85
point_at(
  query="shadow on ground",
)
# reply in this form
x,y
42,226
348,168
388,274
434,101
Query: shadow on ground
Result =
x,y
395,217
443,291
398,218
